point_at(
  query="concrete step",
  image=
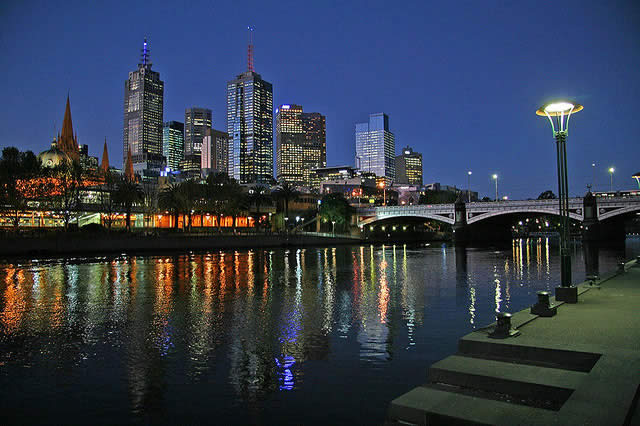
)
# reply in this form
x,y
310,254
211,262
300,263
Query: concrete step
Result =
x,y
478,345
522,384
428,406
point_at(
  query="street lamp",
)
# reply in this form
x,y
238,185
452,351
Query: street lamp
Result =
x,y
495,177
637,178
611,170
593,180
384,192
333,228
558,114
469,184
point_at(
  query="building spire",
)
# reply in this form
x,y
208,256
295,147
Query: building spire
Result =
x,y
250,49
67,142
105,158
145,54
128,168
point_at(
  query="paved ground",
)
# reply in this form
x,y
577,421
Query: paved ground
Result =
x,y
581,366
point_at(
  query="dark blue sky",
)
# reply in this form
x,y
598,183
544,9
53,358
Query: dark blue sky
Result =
x,y
460,80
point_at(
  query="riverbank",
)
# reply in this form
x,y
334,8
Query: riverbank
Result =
x,y
105,243
581,366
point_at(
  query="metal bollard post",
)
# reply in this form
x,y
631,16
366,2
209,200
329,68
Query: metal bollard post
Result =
x,y
503,327
621,266
592,279
543,308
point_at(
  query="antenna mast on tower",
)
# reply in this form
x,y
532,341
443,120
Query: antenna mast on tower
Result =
x,y
250,50
145,54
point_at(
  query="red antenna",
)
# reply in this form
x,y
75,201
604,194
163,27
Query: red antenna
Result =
x,y
250,50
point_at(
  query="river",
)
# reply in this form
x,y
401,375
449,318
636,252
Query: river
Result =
x,y
298,336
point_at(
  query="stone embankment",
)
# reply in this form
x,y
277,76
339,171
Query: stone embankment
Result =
x,y
579,367
85,244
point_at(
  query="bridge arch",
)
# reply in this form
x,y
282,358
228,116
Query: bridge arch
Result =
x,y
438,218
618,212
493,213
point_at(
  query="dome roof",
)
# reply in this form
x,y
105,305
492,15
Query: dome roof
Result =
x,y
53,156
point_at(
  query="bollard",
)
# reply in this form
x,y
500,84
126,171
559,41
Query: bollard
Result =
x,y
543,308
621,266
503,327
592,279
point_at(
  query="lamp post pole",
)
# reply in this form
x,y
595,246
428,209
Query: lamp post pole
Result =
x,y
593,179
495,177
558,114
469,185
611,170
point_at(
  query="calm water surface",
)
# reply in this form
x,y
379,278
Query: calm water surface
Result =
x,y
321,335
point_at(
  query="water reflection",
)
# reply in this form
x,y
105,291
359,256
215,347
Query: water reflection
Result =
x,y
259,322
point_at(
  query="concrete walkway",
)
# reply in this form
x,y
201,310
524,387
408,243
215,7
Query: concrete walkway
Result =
x,y
580,367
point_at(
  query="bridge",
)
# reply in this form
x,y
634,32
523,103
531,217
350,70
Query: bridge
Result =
x,y
589,210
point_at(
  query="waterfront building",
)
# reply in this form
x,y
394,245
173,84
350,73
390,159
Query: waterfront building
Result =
x,y
375,147
213,157
173,143
250,126
300,144
143,110
409,167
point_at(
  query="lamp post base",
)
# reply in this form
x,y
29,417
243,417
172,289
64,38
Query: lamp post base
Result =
x,y
567,294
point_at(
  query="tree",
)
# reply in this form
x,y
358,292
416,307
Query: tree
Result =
x,y
190,194
258,195
170,200
547,195
335,208
68,178
286,192
18,181
128,193
107,198
438,197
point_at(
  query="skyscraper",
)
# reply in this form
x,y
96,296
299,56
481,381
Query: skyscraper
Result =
x,y
376,147
250,126
214,151
173,143
196,122
143,109
409,167
300,144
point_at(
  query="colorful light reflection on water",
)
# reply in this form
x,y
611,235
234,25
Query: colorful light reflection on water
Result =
x,y
238,337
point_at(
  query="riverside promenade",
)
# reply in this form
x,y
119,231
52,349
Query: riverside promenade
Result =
x,y
579,367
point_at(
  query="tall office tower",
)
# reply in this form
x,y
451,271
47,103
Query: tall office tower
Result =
x,y
143,108
173,143
376,147
196,123
250,125
213,158
300,144
409,167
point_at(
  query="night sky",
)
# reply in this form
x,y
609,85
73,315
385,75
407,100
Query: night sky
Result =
x,y
460,80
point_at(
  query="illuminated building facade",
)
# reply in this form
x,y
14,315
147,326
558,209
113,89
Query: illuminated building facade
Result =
x,y
250,127
196,123
173,143
213,157
143,109
409,167
300,144
375,147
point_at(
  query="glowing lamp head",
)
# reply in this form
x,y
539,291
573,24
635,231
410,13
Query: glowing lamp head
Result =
x,y
611,170
469,172
561,110
495,176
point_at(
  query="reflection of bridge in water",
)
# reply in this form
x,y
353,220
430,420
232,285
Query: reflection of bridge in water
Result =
x,y
589,210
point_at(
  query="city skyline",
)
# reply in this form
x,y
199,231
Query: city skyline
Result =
x,y
478,87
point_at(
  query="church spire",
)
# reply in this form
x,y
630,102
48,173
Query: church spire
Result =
x,y
105,158
67,142
128,168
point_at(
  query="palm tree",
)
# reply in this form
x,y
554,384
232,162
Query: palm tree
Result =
x,y
171,200
258,194
286,192
190,193
127,194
